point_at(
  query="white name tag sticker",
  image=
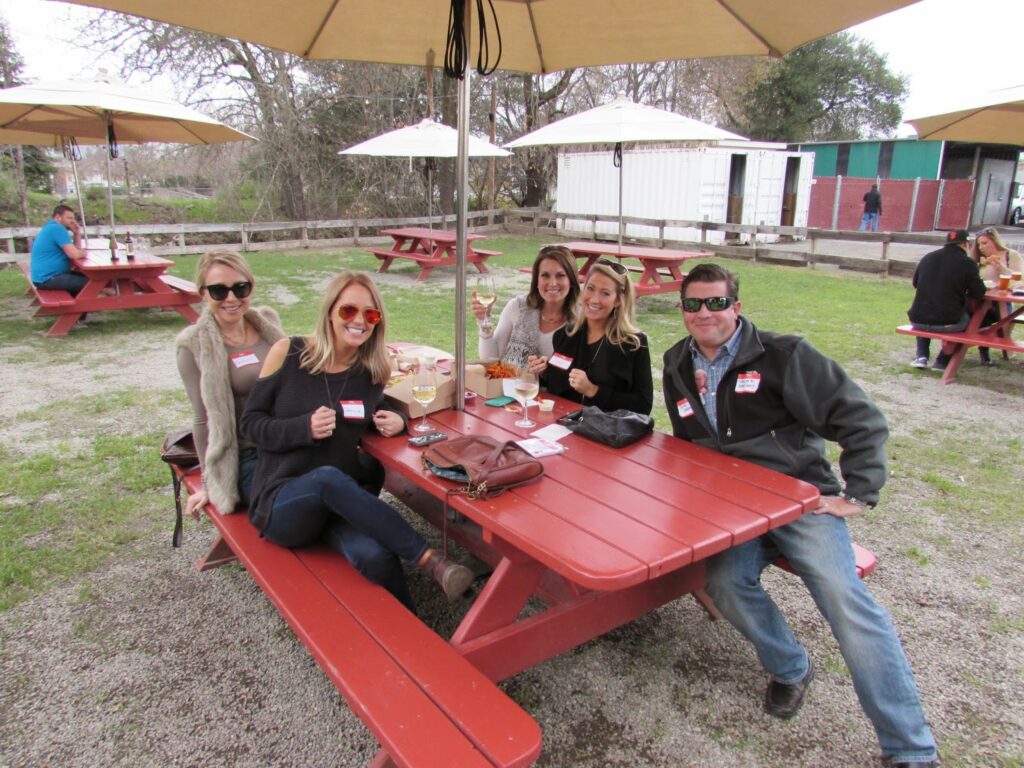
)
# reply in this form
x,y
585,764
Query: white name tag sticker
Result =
x,y
352,409
242,359
560,361
748,383
684,408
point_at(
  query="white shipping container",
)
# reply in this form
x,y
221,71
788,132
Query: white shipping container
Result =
x,y
683,184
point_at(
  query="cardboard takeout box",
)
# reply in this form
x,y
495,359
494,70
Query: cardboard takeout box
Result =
x,y
477,381
399,394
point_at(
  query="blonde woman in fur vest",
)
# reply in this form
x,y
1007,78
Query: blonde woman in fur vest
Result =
x,y
219,359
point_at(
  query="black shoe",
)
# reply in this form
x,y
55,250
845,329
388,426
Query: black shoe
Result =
x,y
783,700
941,361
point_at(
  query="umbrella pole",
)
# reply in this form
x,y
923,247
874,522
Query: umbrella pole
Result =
x,y
81,200
620,198
430,194
110,199
462,213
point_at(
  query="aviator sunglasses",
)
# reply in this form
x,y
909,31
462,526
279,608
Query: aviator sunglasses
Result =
x,y
348,312
618,269
219,291
713,303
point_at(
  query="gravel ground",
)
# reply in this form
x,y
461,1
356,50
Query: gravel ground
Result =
x,y
148,662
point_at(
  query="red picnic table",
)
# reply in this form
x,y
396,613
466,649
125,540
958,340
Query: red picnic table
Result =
x,y
995,336
126,284
430,248
653,260
603,537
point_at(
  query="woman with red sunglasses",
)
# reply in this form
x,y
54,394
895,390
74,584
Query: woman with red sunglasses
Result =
x,y
219,359
315,398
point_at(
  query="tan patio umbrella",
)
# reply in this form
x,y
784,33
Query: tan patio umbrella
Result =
x,y
998,119
427,139
100,111
535,36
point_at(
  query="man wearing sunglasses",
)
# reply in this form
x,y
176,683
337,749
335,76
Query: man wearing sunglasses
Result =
x,y
774,400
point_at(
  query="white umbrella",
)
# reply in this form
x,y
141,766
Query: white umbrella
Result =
x,y
526,35
102,111
429,139
619,122
998,119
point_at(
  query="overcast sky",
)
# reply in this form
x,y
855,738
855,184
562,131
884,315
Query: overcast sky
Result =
x,y
952,51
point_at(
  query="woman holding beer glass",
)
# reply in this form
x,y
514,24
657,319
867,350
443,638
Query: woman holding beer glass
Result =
x,y
315,397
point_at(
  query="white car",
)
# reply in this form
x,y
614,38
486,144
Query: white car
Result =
x,y
1016,214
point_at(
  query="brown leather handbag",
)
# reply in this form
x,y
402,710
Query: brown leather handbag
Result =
x,y
486,466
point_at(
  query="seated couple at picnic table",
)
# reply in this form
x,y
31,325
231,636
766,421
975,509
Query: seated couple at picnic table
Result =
x,y
584,345
57,245
948,280
278,421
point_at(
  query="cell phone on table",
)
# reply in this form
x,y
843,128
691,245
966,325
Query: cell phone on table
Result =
x,y
421,441
571,418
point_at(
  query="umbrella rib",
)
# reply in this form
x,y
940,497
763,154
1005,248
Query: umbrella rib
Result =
x,y
307,54
770,49
536,36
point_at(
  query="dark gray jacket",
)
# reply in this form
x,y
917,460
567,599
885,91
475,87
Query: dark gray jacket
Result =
x,y
802,399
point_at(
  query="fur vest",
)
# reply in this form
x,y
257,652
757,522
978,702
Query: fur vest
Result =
x,y
203,340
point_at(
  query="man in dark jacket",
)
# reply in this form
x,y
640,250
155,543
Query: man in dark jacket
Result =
x,y
944,279
774,400
872,209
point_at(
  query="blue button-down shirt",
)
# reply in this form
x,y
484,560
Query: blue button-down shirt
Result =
x,y
715,370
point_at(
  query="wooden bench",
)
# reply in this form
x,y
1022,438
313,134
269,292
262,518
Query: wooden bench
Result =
x,y
425,704
865,559
428,263
976,339
179,283
44,298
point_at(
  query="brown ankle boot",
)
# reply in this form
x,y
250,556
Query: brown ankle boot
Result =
x,y
453,578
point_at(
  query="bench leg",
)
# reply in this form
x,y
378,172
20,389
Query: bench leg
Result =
x,y
424,273
383,760
63,325
704,600
218,554
385,263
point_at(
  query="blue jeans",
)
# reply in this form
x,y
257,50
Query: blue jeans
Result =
x,y
819,548
72,282
246,473
327,503
924,344
869,219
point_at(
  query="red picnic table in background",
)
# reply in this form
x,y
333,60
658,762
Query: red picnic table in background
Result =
x,y
995,336
603,537
653,260
430,248
125,284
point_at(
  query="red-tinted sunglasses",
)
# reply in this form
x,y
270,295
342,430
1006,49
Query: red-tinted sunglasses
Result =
x,y
348,312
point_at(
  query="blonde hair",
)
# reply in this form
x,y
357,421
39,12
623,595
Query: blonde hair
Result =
x,y
226,258
620,328
992,234
319,350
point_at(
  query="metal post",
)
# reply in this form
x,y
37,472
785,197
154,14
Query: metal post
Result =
x,y
835,202
938,204
913,204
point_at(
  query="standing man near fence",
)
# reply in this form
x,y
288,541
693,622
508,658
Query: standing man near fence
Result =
x,y
774,400
872,209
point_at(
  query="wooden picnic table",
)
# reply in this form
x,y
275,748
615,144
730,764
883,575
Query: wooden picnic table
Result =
x,y
430,248
653,260
994,336
603,537
124,284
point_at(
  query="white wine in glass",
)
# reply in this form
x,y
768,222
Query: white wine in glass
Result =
x,y
425,391
485,292
527,388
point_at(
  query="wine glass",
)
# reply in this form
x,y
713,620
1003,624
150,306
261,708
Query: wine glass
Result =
x,y
424,390
527,388
485,292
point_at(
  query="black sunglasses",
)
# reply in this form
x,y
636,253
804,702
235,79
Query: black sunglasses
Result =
x,y
614,266
219,291
714,303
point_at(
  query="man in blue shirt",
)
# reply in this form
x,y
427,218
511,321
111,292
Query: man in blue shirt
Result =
x,y
53,251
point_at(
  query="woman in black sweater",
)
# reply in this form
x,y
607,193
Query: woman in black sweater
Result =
x,y
314,398
602,359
